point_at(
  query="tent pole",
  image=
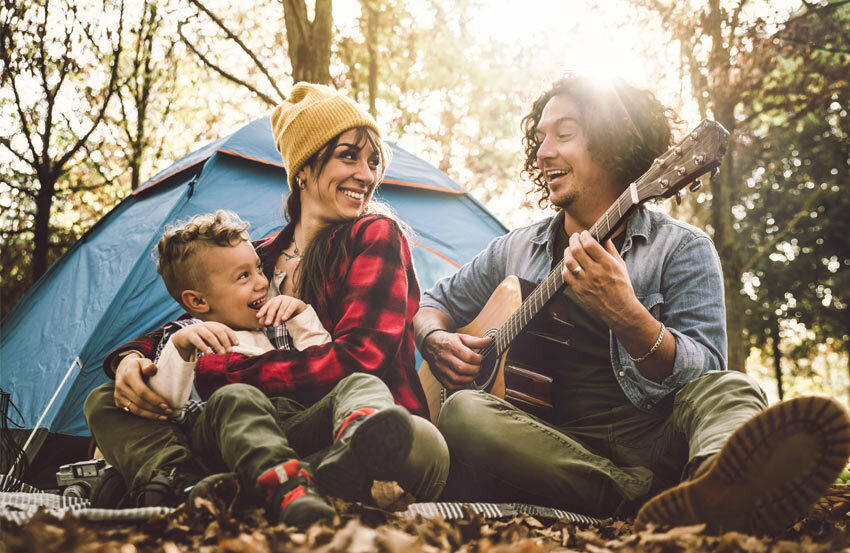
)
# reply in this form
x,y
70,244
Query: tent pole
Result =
x,y
46,409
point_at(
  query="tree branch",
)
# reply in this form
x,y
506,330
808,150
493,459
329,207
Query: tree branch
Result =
x,y
110,89
813,9
222,72
737,14
8,144
22,190
98,170
769,246
15,232
35,159
241,44
814,46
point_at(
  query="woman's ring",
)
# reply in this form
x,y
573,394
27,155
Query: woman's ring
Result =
x,y
127,407
577,270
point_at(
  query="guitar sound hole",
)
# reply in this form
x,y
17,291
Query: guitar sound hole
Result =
x,y
487,373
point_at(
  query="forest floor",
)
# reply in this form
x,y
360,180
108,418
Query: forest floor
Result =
x,y
209,529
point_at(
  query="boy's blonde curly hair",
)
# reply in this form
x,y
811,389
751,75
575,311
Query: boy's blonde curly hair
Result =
x,y
181,242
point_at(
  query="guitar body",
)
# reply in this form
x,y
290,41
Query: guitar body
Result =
x,y
505,299
523,373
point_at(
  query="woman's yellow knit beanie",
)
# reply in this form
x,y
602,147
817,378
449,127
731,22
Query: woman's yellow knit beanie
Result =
x,y
309,118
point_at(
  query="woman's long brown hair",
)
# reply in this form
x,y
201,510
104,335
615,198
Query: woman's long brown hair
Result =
x,y
328,251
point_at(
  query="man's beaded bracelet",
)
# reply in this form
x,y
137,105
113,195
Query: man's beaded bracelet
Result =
x,y
651,350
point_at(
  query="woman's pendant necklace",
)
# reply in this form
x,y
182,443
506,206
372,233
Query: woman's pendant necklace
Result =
x,y
294,255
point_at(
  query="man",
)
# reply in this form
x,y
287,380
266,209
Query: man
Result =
x,y
642,401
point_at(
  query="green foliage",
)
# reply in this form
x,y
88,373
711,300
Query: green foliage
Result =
x,y
794,212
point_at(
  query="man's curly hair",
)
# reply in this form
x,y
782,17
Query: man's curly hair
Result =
x,y
626,128
181,242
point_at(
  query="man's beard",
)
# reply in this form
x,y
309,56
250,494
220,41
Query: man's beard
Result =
x,y
566,200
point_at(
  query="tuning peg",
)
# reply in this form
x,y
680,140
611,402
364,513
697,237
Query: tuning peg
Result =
x,y
678,198
696,185
714,173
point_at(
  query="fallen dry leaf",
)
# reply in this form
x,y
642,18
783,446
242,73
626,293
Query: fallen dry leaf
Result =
x,y
389,496
358,529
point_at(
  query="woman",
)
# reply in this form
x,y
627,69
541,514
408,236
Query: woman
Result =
x,y
354,265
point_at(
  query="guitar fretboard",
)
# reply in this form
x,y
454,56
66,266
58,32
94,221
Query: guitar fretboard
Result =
x,y
554,281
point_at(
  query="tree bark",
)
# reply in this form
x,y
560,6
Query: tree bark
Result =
x,y
725,188
309,41
777,356
724,192
41,224
371,40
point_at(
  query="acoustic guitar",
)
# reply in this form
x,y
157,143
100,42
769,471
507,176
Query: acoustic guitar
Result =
x,y
527,321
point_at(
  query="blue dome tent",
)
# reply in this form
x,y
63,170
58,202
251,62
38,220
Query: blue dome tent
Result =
x,y
105,290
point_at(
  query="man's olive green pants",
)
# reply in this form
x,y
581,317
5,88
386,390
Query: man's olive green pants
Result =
x,y
611,463
243,431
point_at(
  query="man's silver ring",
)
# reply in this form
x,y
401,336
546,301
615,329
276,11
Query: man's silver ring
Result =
x,y
577,270
127,407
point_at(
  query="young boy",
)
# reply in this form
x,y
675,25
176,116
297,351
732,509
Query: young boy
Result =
x,y
209,266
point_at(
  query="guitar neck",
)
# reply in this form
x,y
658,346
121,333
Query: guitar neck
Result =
x,y
554,281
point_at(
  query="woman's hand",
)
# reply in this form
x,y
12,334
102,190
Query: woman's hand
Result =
x,y
132,392
279,309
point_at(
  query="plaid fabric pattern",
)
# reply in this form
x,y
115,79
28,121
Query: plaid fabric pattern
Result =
x,y
375,296
168,330
280,337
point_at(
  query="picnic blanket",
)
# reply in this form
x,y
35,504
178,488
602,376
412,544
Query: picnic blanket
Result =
x,y
20,506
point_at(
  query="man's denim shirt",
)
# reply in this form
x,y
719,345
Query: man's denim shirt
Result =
x,y
675,273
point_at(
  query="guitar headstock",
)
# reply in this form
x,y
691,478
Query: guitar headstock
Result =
x,y
700,152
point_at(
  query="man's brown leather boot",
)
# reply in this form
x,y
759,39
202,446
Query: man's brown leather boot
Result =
x,y
769,472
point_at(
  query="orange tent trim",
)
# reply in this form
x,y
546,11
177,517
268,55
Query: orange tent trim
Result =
x,y
438,254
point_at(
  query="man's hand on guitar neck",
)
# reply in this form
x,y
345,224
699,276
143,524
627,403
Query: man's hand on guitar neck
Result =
x,y
452,357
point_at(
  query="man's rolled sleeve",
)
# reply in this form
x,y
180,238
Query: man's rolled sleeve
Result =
x,y
693,311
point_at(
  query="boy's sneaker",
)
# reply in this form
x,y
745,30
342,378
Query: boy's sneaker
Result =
x,y
769,472
370,445
291,497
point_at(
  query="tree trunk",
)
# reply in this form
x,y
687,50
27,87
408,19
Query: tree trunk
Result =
x,y
309,41
371,40
724,192
41,226
847,347
777,356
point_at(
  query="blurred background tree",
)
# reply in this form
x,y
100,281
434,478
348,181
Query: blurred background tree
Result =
x,y
98,95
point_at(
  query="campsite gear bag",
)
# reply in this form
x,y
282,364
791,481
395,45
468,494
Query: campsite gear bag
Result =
x,y
242,429
605,460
